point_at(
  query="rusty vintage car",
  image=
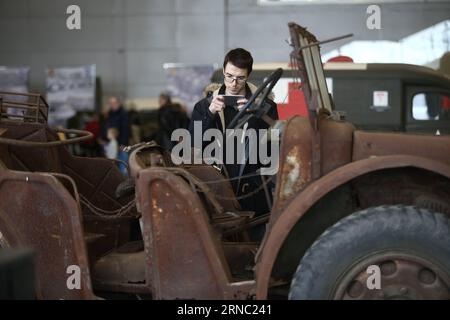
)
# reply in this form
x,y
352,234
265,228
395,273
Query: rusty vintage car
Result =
x,y
347,203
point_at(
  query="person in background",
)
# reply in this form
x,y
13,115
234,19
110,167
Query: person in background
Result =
x,y
171,116
112,146
91,147
117,117
135,124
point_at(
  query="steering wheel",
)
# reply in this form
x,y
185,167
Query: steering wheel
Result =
x,y
260,108
81,135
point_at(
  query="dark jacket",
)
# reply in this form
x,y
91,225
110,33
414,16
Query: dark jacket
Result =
x,y
170,117
201,113
118,119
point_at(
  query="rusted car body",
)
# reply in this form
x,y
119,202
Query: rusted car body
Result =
x,y
182,233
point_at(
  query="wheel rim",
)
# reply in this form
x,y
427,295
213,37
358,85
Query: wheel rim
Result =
x,y
403,277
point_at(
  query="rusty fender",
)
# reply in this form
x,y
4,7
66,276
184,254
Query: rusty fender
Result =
x,y
37,211
314,192
184,253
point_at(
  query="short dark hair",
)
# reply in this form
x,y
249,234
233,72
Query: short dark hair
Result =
x,y
166,95
239,57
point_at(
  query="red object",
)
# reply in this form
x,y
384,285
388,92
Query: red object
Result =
x,y
94,128
296,104
340,59
445,103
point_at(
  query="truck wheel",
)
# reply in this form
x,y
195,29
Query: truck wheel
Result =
x,y
407,250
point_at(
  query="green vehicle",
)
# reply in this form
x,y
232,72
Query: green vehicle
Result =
x,y
373,96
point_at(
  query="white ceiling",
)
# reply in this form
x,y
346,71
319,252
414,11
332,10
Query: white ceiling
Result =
x,y
423,47
305,2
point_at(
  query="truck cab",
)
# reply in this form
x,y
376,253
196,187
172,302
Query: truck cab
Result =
x,y
372,96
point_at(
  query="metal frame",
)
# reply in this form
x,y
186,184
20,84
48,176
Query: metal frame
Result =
x,y
35,104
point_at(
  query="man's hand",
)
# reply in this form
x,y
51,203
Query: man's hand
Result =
x,y
217,104
241,103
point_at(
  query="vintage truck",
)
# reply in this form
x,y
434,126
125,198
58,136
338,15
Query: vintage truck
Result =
x,y
390,96
347,204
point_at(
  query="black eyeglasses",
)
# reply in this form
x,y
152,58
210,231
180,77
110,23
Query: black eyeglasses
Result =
x,y
229,78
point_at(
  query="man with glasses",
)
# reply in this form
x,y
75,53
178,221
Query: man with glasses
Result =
x,y
213,113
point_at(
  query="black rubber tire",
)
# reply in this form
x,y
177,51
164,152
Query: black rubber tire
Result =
x,y
411,230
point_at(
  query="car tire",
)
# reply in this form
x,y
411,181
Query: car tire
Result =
x,y
414,242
